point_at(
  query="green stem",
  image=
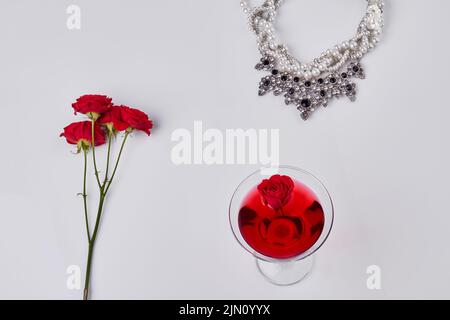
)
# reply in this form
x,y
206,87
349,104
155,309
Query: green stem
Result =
x,y
107,159
93,153
85,197
117,162
91,246
88,273
103,193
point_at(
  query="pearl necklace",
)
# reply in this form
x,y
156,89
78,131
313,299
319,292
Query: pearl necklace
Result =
x,y
311,85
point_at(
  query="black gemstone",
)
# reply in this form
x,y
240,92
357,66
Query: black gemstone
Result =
x,y
266,83
291,91
296,79
275,72
305,103
356,68
266,62
333,80
344,75
323,93
284,77
349,87
320,81
308,84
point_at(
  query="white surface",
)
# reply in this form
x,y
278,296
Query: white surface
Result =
x,y
165,232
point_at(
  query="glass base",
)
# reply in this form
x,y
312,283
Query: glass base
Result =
x,y
285,273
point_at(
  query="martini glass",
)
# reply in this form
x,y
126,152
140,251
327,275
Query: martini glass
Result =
x,y
282,241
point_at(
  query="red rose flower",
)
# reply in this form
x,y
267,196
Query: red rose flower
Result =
x,y
80,133
92,105
113,119
136,119
276,191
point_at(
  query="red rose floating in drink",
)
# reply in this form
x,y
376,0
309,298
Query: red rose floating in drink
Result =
x,y
106,120
281,218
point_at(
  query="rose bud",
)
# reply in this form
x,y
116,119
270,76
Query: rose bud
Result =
x,y
276,191
92,105
80,134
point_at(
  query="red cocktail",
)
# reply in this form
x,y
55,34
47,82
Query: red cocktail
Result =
x,y
285,232
282,220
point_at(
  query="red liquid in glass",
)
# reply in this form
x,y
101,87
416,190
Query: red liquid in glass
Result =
x,y
285,233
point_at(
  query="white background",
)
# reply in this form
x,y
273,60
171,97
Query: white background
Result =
x,y
165,232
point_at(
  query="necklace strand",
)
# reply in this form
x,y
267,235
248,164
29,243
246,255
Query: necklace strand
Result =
x,y
309,85
261,21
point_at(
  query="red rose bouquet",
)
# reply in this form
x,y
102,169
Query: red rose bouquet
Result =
x,y
105,121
